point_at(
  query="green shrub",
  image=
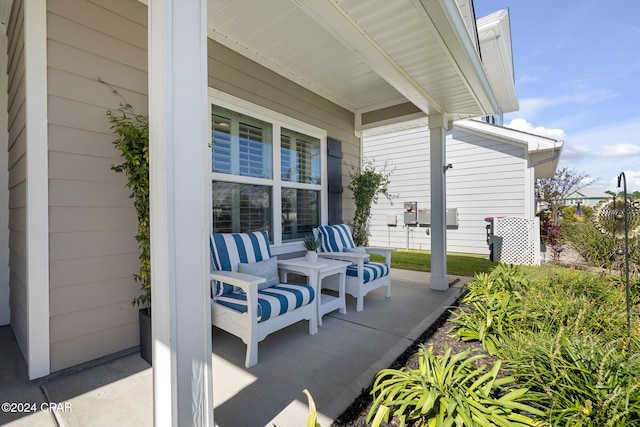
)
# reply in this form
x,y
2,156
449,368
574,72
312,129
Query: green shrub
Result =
x,y
578,302
449,390
595,248
563,334
488,321
495,307
585,381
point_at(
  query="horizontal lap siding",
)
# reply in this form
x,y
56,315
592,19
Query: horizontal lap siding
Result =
x,y
236,75
17,178
93,253
92,223
487,179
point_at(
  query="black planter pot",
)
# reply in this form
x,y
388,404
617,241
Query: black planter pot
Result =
x,y
144,317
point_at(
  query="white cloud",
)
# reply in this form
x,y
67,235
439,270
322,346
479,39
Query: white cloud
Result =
x,y
601,151
609,134
525,126
530,107
633,182
619,150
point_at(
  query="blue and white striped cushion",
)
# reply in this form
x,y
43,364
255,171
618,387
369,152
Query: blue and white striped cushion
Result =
x,y
334,238
273,301
371,271
230,249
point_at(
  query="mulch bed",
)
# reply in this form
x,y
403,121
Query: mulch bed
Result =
x,y
437,335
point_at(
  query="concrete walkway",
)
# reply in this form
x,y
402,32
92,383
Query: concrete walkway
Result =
x,y
334,365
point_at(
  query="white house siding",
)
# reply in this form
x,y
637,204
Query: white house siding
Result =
x,y
488,178
17,178
93,253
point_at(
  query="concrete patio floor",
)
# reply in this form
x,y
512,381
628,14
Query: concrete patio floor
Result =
x,y
334,365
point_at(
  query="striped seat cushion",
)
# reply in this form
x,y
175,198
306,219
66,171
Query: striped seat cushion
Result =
x,y
334,238
230,249
272,302
372,271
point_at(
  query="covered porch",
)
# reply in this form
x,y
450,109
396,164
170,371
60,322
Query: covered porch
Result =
x,y
335,67
334,365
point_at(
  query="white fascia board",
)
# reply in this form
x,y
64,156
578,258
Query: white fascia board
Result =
x,y
449,25
494,32
534,143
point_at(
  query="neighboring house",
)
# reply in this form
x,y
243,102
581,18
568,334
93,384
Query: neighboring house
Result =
x,y
587,197
290,86
492,175
493,167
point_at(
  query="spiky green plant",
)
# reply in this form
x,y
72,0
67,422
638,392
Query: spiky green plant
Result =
x,y
585,381
450,390
495,307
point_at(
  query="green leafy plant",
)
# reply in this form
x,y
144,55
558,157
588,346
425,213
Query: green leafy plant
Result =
x,y
450,390
366,185
583,380
311,243
562,333
133,143
596,249
312,419
488,321
494,307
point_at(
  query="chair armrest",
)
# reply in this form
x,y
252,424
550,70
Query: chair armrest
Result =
x,y
246,282
346,256
379,250
385,252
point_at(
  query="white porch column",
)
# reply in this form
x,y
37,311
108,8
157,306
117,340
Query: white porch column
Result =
x,y
437,136
180,210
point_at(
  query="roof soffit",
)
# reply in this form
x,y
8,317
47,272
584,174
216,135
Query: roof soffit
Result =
x,y
356,54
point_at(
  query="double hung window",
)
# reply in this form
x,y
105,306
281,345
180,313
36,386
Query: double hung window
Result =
x,y
247,149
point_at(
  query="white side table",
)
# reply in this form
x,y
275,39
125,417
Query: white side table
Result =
x,y
316,271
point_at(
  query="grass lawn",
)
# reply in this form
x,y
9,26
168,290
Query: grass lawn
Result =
x,y
457,264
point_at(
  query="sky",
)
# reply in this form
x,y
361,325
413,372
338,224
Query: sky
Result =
x,y
577,74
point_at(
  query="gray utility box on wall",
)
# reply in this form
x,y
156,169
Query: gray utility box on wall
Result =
x,y
410,213
451,218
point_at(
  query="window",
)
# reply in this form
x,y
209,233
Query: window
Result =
x,y
250,143
241,145
300,212
241,207
300,157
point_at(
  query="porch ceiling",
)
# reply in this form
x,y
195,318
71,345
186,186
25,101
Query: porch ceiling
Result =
x,y
363,55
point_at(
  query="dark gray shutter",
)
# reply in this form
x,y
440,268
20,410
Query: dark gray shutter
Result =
x,y
334,180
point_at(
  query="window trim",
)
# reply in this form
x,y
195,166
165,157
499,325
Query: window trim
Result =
x,y
277,121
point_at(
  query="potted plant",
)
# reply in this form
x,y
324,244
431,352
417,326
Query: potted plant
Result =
x,y
311,244
133,143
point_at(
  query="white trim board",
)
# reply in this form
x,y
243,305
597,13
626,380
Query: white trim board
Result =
x,y
35,48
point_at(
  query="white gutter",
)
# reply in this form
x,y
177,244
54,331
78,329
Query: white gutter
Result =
x,y
445,18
